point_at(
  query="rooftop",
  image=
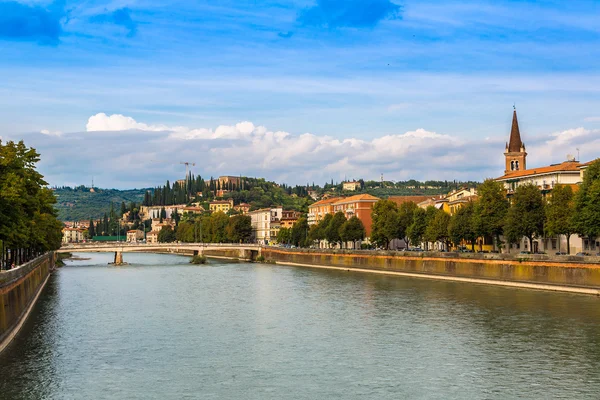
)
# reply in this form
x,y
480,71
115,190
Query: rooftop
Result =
x,y
567,166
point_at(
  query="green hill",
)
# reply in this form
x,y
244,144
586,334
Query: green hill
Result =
x,y
76,204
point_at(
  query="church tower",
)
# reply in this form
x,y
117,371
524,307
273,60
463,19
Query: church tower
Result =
x,y
515,154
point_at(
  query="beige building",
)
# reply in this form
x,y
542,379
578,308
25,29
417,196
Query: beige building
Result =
x,y
351,186
242,208
266,224
134,235
221,205
152,237
72,235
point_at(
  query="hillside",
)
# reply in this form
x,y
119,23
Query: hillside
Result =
x,y
75,204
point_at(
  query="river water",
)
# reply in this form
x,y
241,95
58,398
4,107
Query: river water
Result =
x,y
163,329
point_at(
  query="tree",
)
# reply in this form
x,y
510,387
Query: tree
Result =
x,y
461,225
175,216
490,210
416,230
92,229
166,234
284,235
385,226
218,225
332,233
239,228
163,214
320,229
352,230
560,212
28,223
406,213
299,235
587,203
526,215
437,227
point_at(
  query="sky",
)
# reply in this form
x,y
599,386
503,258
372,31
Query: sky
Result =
x,y
297,91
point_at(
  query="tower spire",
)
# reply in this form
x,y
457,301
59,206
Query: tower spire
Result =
x,y
515,143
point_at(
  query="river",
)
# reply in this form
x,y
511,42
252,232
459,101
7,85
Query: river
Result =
x,y
161,328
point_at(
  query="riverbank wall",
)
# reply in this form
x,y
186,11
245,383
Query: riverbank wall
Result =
x,y
570,276
19,290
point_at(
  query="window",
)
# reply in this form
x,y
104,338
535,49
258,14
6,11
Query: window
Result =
x,y
512,165
553,244
517,165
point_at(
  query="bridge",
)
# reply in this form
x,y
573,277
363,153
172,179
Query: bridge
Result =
x,y
242,251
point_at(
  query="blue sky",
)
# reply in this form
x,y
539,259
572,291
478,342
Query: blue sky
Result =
x,y
351,88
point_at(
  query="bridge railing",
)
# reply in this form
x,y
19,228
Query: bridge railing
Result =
x,y
167,245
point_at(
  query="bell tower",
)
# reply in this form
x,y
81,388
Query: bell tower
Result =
x,y
515,155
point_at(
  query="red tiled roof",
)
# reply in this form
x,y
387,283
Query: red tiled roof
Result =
x,y
567,166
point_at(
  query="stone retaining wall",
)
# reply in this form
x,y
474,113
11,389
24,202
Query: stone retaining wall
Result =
x,y
18,289
565,273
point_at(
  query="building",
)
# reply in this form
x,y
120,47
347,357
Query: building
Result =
x,y
134,235
318,210
221,205
399,200
152,237
72,235
351,186
157,224
458,198
266,224
569,172
545,178
242,208
289,218
149,212
359,206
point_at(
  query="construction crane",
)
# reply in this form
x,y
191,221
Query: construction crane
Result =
x,y
187,164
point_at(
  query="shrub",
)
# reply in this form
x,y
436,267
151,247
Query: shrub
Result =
x,y
199,259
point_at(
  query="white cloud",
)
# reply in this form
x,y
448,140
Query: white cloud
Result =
x,y
50,133
248,149
592,119
118,122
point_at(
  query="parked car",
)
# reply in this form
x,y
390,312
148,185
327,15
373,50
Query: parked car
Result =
x,y
525,252
583,254
561,253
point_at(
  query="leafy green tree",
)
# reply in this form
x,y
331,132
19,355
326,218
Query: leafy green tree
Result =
x,y
352,230
437,227
123,208
299,235
332,233
406,213
461,225
163,214
28,223
218,223
185,232
490,210
284,235
385,226
239,229
560,213
318,233
526,215
167,235
587,203
416,230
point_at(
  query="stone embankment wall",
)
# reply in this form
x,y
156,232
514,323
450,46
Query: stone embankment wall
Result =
x,y
567,273
19,289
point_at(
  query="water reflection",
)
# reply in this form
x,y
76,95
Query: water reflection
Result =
x,y
161,328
